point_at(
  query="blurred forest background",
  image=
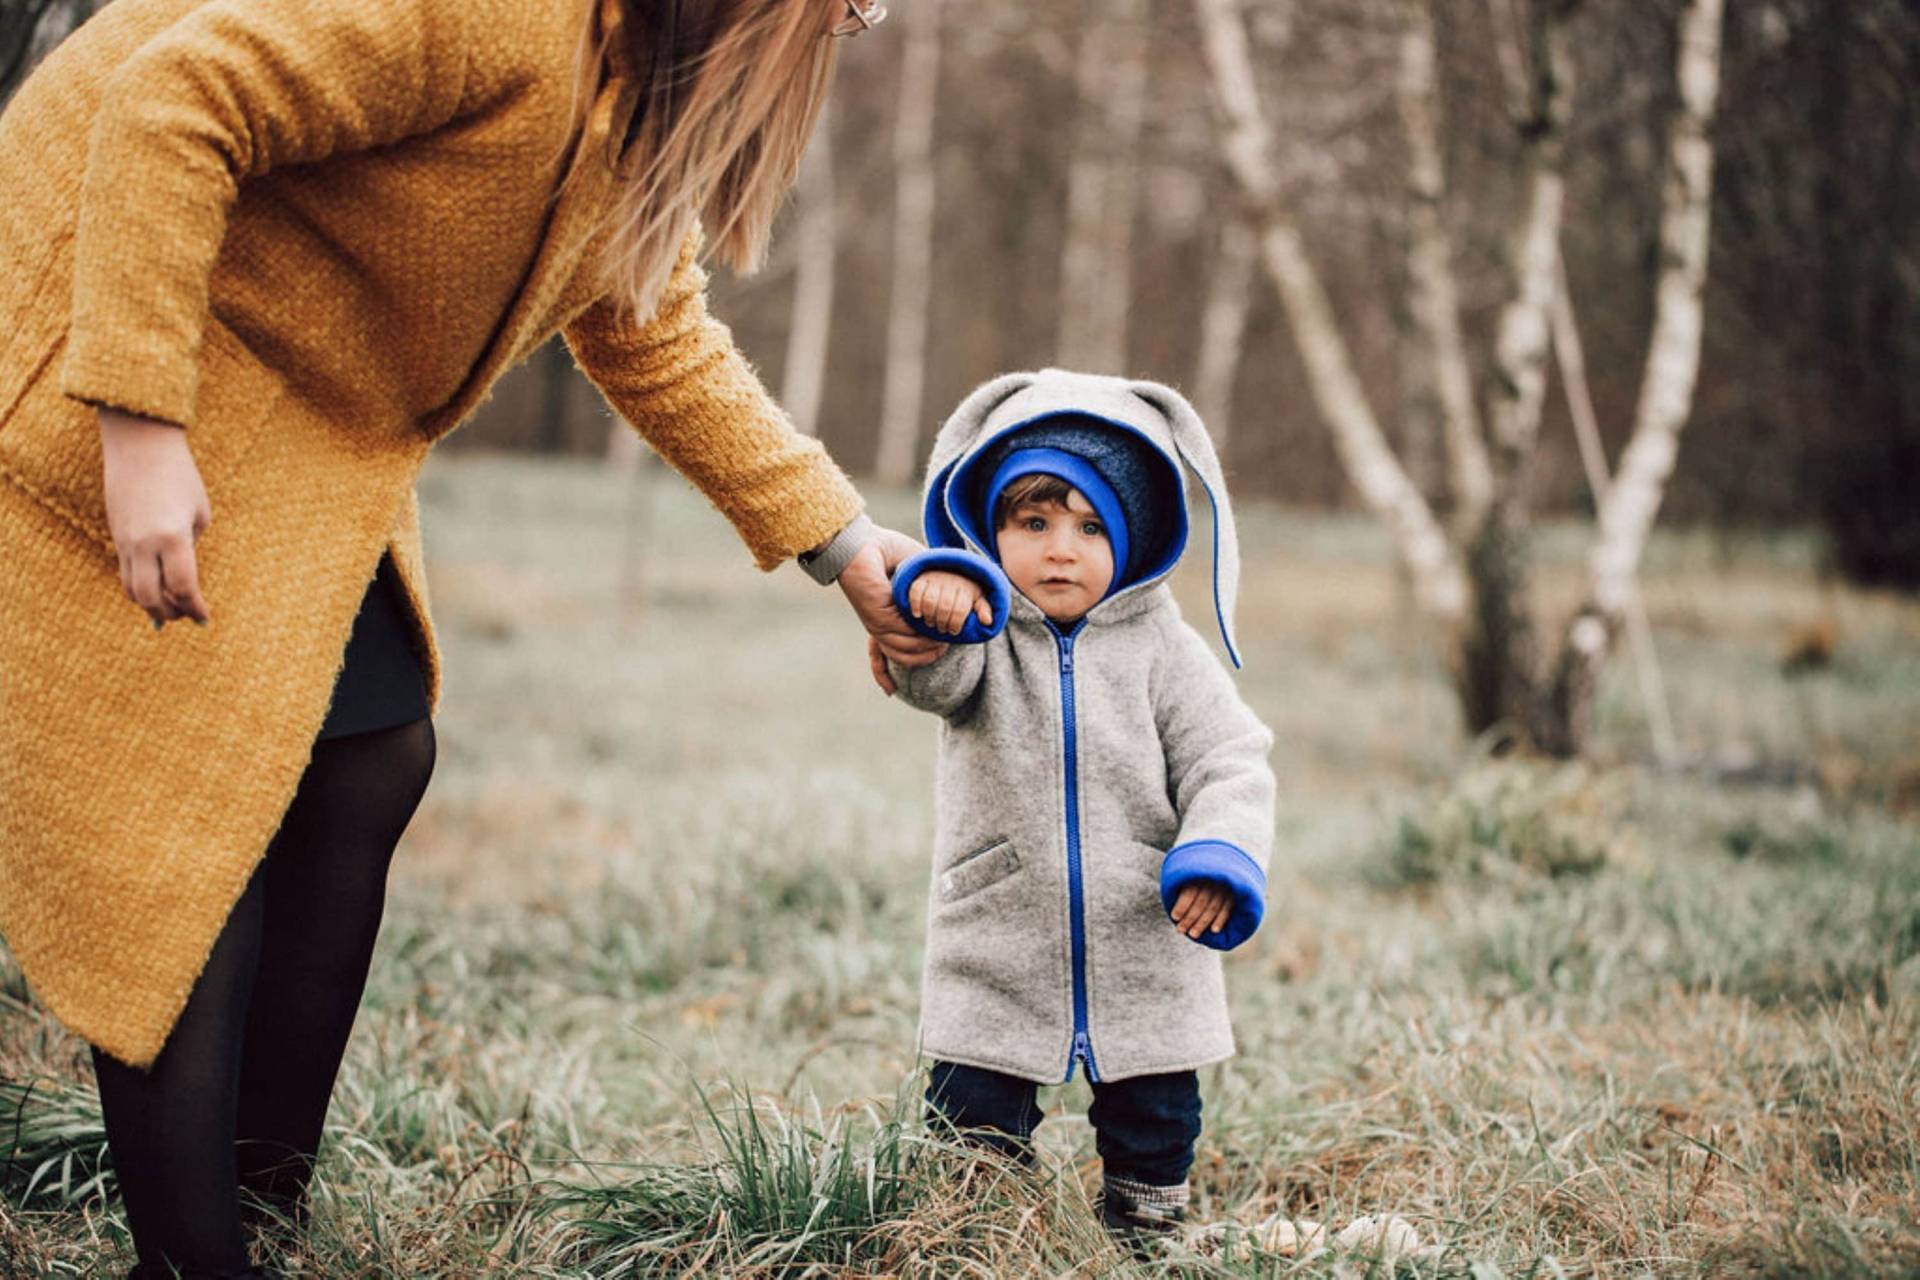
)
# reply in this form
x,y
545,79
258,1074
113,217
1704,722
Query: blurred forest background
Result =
x,y
985,144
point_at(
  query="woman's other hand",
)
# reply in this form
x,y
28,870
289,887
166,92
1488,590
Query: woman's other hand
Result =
x,y
868,583
156,510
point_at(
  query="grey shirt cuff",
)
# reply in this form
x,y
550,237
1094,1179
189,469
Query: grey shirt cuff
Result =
x,y
825,566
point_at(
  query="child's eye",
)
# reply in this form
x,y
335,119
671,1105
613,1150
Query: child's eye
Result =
x,y
1036,524
1091,528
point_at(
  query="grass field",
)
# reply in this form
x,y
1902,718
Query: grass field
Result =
x,y
645,999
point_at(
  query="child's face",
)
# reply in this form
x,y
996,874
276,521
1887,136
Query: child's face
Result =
x,y
1058,556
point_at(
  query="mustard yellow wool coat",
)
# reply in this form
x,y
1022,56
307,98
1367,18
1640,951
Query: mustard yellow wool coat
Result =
x,y
313,233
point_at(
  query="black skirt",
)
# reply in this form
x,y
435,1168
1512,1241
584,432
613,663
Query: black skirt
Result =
x,y
381,684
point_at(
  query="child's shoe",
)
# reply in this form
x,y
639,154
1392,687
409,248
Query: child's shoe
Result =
x,y
1137,1214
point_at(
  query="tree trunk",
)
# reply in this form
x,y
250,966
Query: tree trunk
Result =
x,y
1434,302
1364,454
1666,385
804,379
1223,330
907,322
19,21
1500,685
1571,357
1102,183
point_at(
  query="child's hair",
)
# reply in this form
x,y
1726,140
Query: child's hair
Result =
x,y
1038,489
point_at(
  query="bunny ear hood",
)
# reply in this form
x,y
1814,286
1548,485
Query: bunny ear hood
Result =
x,y
1155,415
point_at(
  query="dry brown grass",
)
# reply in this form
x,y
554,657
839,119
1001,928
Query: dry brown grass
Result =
x,y
666,859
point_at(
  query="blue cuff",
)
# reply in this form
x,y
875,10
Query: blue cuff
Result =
x,y
968,564
1225,863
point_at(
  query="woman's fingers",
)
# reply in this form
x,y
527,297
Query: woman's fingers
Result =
x,y
180,579
156,508
877,663
146,586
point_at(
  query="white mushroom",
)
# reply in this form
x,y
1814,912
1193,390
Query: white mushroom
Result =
x,y
1290,1237
1388,1235
1286,1237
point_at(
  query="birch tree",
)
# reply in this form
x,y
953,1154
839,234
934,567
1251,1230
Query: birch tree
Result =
x,y
1096,284
804,379
1433,301
1246,144
1500,653
1223,329
1473,577
1632,500
907,321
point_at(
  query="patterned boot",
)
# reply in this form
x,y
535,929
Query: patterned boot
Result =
x,y
1137,1214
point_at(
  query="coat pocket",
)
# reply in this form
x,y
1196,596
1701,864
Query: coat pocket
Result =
x,y
50,443
975,871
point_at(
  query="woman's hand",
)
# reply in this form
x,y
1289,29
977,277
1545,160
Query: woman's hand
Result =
x,y
156,509
868,584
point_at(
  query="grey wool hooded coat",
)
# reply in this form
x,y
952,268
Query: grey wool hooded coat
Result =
x,y
1084,775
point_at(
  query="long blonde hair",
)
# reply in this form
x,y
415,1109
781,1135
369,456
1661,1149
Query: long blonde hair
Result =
x,y
729,91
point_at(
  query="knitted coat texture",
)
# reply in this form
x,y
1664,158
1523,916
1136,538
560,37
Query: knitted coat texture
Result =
x,y
1077,767
313,233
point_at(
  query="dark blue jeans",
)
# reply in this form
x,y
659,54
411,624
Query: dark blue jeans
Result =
x,y
1144,1127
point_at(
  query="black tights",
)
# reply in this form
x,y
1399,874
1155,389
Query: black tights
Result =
x,y
237,1098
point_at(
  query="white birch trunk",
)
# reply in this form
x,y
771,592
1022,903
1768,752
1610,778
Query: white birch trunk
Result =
x,y
1571,355
1363,450
1435,305
1096,282
1502,671
804,380
1223,330
1518,390
1667,383
907,323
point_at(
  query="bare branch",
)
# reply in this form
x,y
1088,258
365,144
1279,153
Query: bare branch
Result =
x,y
1368,460
1435,304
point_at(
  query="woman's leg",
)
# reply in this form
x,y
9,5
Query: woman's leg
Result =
x,y
171,1129
325,884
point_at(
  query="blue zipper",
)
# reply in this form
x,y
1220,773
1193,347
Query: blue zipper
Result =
x,y
1076,904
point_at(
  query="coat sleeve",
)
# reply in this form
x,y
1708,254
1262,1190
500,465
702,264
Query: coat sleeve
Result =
x,y
1218,776
945,686
679,380
234,89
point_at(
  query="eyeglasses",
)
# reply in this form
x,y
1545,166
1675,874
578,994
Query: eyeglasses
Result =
x,y
862,15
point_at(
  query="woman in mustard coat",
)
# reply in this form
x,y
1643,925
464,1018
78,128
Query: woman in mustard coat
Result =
x,y
256,256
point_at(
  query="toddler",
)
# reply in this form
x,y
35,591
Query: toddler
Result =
x,y
1104,810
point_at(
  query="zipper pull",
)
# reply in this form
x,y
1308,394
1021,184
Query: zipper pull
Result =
x,y
1082,1050
1066,655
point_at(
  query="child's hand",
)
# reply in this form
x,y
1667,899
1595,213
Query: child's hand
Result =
x,y
942,600
1202,907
